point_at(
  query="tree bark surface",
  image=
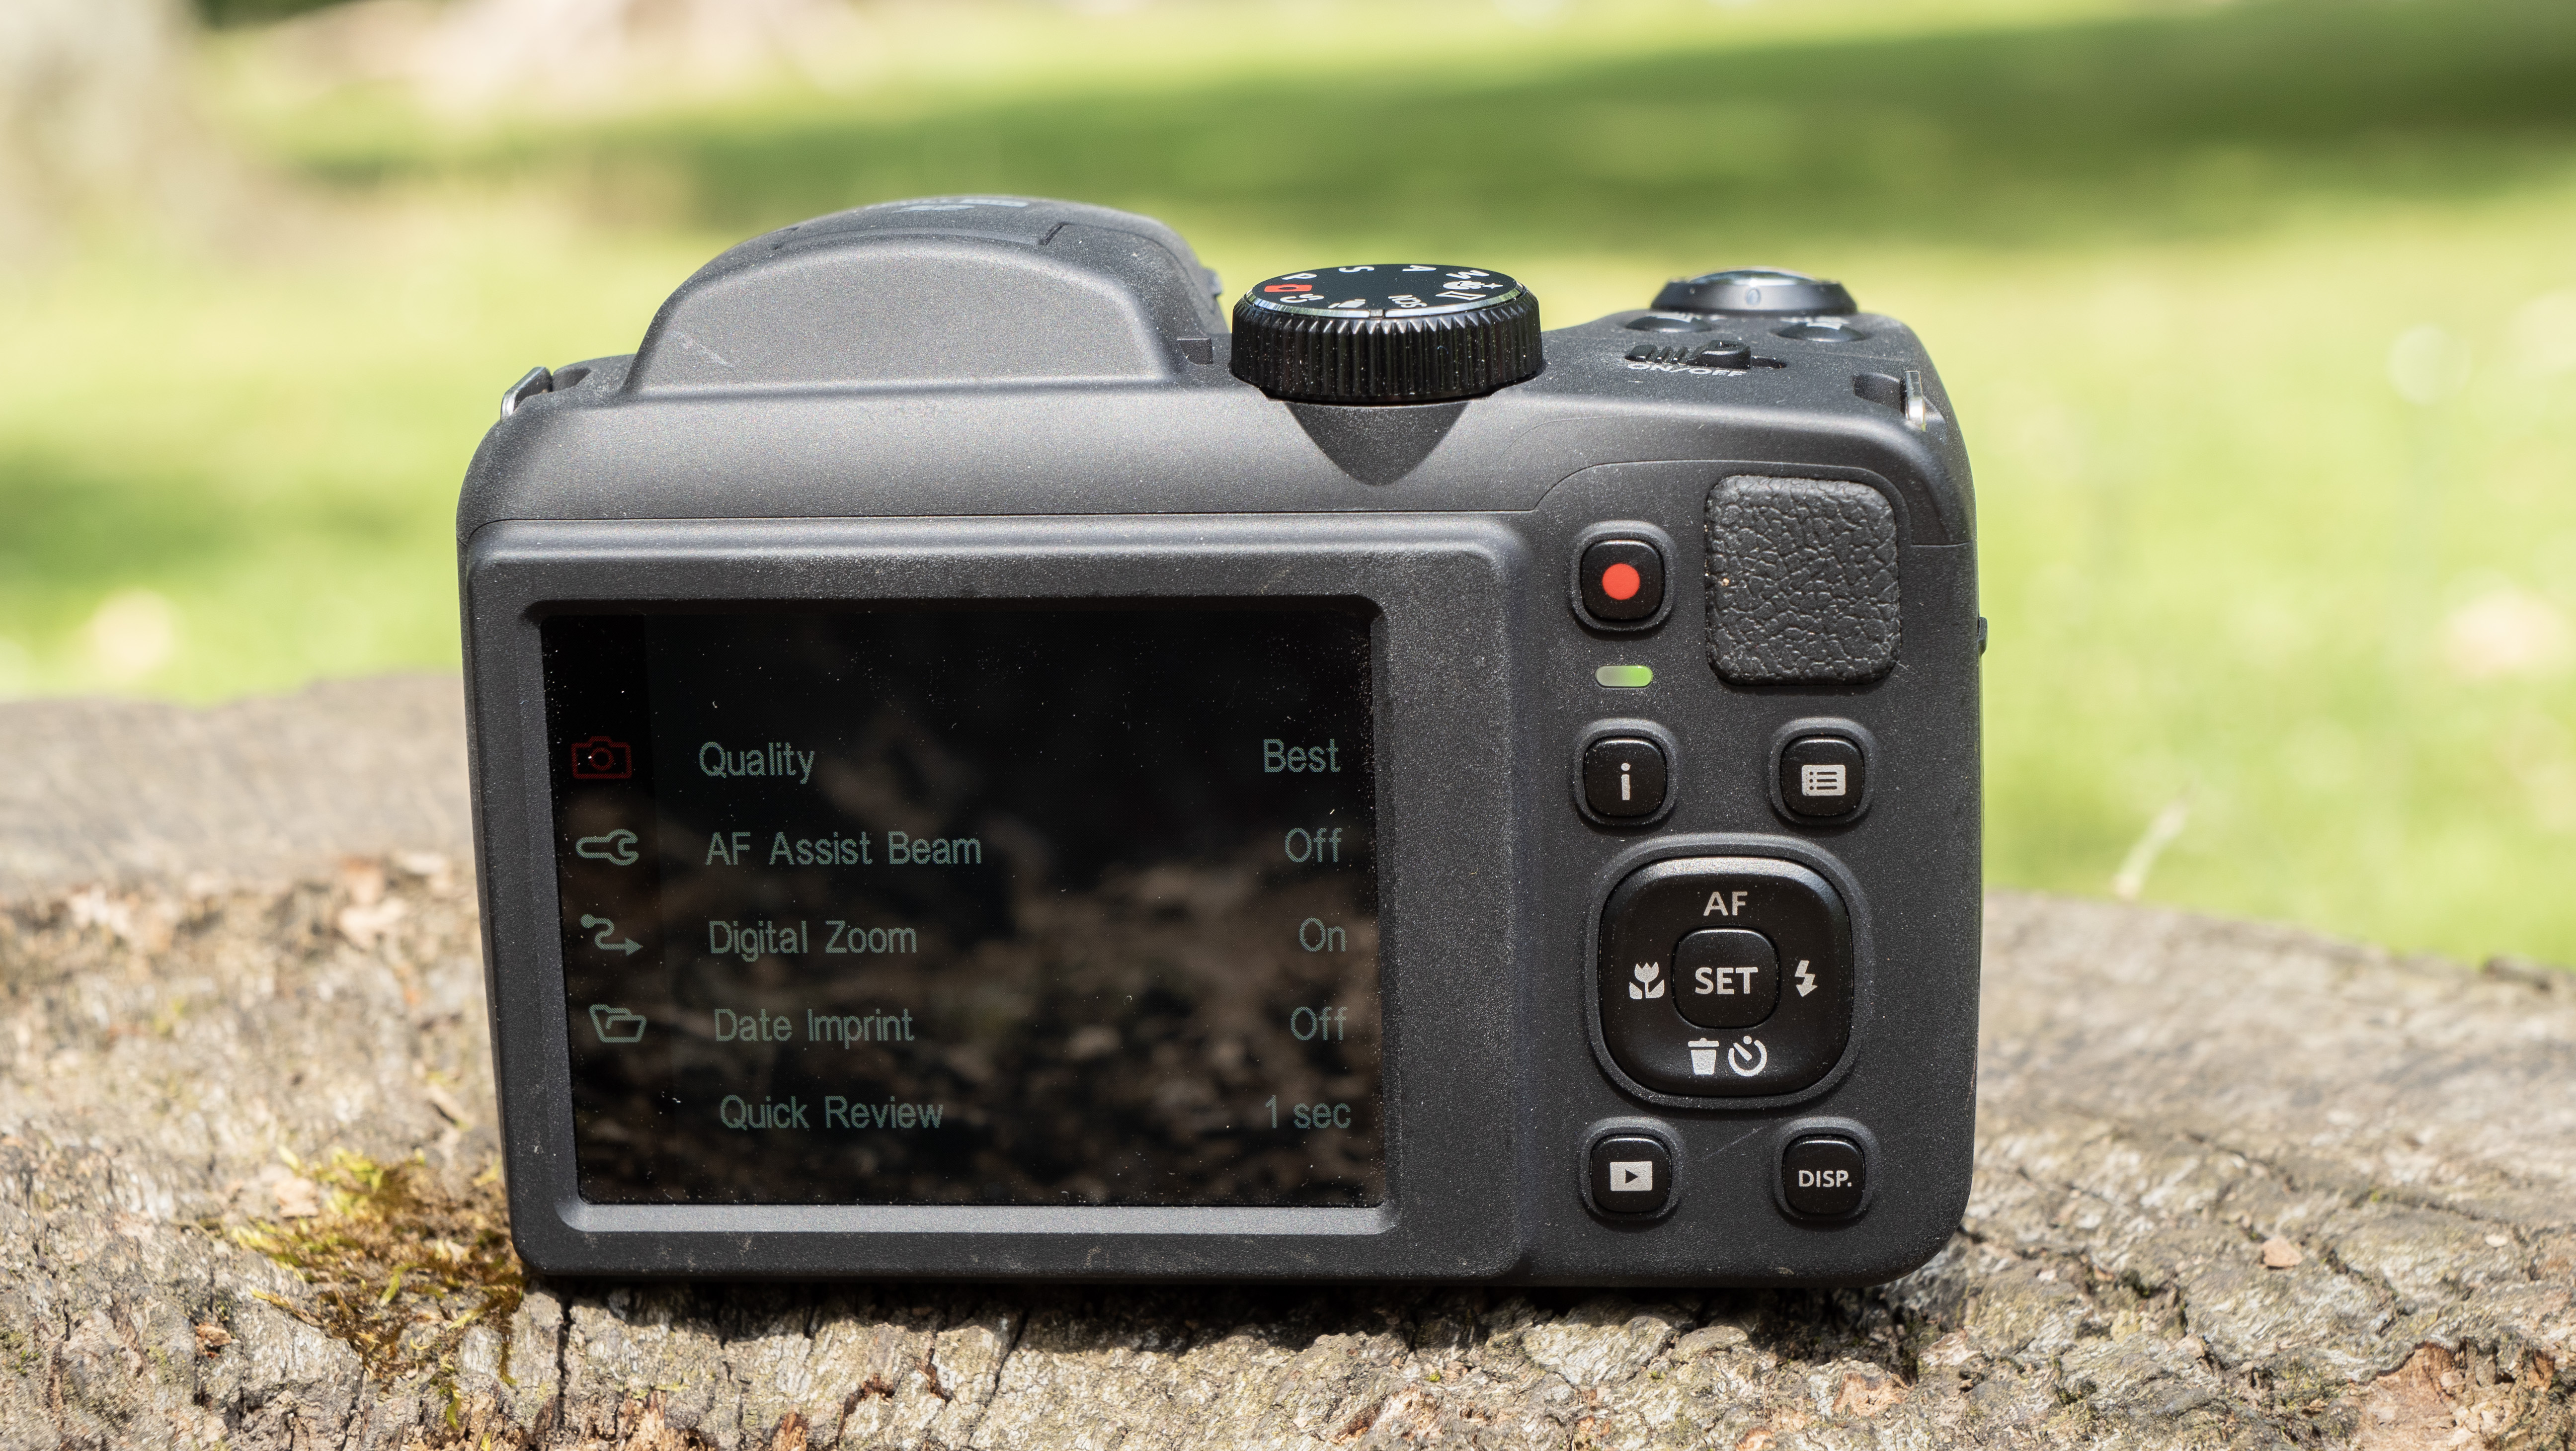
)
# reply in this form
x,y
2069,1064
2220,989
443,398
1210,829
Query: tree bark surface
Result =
x,y
2237,1185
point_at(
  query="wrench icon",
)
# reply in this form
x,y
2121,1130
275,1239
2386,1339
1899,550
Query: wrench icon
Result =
x,y
617,847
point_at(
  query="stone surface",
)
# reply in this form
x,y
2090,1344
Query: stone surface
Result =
x,y
2168,1105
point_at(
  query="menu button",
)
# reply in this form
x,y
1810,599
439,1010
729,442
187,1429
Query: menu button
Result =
x,y
1822,776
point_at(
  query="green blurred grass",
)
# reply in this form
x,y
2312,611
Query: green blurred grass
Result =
x,y
2004,132
2161,251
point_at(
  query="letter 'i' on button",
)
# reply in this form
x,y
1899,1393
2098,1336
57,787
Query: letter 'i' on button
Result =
x,y
1624,777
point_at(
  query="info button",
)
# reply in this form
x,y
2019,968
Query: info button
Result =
x,y
1624,778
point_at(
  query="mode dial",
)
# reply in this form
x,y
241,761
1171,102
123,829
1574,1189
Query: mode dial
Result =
x,y
1387,332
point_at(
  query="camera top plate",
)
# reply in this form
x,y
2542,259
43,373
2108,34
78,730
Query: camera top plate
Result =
x,y
985,355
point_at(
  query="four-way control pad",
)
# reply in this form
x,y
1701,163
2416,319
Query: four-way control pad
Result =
x,y
1647,975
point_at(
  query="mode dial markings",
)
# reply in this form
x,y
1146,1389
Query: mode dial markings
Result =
x,y
1383,289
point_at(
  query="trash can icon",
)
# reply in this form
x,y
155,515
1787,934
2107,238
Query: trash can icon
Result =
x,y
1703,1053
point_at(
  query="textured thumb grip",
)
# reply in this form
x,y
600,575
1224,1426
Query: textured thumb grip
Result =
x,y
1802,583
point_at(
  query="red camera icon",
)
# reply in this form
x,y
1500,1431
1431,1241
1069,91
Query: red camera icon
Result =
x,y
601,759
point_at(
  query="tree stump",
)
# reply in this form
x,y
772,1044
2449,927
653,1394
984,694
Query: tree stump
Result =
x,y
2237,1186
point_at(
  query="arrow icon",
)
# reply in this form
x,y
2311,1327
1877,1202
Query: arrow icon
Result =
x,y
629,945
1806,979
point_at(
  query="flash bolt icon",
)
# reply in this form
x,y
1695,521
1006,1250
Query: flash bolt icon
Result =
x,y
1806,979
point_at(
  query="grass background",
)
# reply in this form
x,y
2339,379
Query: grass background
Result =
x,y
2162,250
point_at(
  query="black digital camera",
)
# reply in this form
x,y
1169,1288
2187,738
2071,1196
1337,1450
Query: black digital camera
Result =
x,y
986,769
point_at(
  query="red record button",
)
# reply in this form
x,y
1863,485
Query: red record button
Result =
x,y
1621,581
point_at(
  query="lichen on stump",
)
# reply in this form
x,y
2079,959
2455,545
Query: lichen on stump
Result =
x,y
396,1266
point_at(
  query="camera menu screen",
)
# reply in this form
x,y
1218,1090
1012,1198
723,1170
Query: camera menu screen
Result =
x,y
969,905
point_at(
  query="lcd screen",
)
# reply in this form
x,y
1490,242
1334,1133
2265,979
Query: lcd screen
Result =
x,y
970,905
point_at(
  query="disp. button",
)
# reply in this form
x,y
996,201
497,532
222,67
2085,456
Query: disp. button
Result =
x,y
1822,1177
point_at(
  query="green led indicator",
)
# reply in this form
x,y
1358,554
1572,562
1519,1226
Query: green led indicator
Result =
x,y
1626,677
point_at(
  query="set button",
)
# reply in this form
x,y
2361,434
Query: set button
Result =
x,y
1726,977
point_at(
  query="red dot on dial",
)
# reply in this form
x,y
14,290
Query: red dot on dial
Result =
x,y
1621,581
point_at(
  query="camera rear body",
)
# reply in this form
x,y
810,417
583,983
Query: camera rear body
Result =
x,y
980,774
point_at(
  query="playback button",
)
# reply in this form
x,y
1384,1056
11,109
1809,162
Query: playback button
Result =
x,y
1630,1174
